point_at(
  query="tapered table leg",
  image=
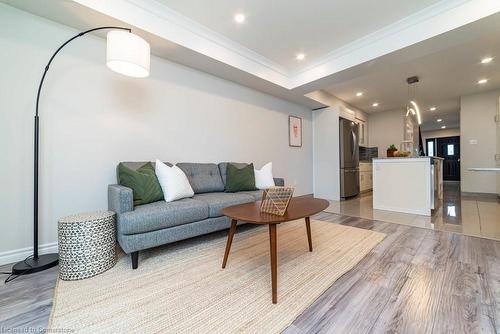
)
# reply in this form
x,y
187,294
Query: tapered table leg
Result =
x,y
308,228
232,230
274,262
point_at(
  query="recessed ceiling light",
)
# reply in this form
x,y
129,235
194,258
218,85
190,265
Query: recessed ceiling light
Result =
x,y
239,18
443,127
359,94
300,56
439,120
375,104
482,81
486,60
432,108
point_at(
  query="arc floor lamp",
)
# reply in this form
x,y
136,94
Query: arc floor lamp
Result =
x,y
127,54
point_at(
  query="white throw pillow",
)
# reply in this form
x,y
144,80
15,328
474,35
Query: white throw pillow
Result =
x,y
174,183
264,176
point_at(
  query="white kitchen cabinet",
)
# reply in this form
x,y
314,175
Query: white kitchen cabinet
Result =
x,y
365,177
347,113
361,119
362,132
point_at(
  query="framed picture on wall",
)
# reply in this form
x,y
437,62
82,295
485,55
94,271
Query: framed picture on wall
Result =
x,y
295,131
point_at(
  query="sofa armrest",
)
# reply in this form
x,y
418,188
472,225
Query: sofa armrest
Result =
x,y
278,181
120,199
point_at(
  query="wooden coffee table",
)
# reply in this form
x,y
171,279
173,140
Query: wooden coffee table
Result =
x,y
299,208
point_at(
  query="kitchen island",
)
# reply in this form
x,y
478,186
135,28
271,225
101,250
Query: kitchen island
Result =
x,y
409,185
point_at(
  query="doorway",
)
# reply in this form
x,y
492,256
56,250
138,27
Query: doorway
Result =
x,y
447,148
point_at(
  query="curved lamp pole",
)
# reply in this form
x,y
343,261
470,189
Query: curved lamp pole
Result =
x,y
127,54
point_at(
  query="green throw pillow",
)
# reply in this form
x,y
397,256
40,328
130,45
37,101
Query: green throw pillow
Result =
x,y
239,179
143,182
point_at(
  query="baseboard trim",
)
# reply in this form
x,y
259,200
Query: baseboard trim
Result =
x,y
402,210
306,195
480,195
22,253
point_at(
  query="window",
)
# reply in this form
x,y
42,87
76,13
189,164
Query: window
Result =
x,y
451,149
430,148
451,211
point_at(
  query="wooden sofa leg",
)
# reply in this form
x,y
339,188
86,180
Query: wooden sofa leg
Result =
x,y
135,259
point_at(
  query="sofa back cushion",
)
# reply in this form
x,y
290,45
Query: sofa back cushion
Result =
x,y
135,165
223,168
203,177
143,182
240,179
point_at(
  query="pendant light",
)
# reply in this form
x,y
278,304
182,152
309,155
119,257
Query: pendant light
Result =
x,y
411,104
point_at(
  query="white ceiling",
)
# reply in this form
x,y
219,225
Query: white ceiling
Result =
x,y
279,29
74,14
342,33
445,75
350,45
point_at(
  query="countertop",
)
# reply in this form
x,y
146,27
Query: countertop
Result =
x,y
406,158
484,169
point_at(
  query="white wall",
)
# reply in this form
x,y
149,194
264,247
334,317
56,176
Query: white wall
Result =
x,y
477,114
385,128
92,118
326,153
440,133
345,110
326,142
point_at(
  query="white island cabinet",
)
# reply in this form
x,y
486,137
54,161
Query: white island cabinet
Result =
x,y
410,185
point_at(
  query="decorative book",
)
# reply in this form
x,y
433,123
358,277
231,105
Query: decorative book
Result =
x,y
275,200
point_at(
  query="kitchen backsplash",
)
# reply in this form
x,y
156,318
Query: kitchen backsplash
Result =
x,y
367,153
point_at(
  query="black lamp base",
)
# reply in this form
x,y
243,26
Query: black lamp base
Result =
x,y
32,265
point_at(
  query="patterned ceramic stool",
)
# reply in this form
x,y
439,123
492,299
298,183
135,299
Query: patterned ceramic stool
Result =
x,y
86,244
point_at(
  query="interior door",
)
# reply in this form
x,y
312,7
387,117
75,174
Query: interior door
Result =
x,y
448,148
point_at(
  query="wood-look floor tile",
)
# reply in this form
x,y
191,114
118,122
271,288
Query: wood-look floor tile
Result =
x,y
414,281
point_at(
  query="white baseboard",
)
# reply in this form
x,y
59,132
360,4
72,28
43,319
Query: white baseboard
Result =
x,y
22,253
421,212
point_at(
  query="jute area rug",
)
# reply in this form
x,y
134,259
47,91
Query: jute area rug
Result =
x,y
181,288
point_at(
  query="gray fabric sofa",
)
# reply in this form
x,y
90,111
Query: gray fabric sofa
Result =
x,y
154,224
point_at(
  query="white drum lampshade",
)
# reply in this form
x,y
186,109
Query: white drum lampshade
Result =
x,y
127,54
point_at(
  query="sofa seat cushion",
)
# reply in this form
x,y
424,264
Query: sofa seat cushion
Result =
x,y
160,215
217,201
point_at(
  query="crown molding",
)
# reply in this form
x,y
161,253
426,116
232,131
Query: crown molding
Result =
x,y
156,18
434,20
156,8
386,32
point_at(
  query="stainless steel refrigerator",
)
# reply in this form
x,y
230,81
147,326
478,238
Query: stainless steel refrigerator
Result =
x,y
349,159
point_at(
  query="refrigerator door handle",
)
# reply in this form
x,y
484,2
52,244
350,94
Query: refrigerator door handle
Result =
x,y
353,139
